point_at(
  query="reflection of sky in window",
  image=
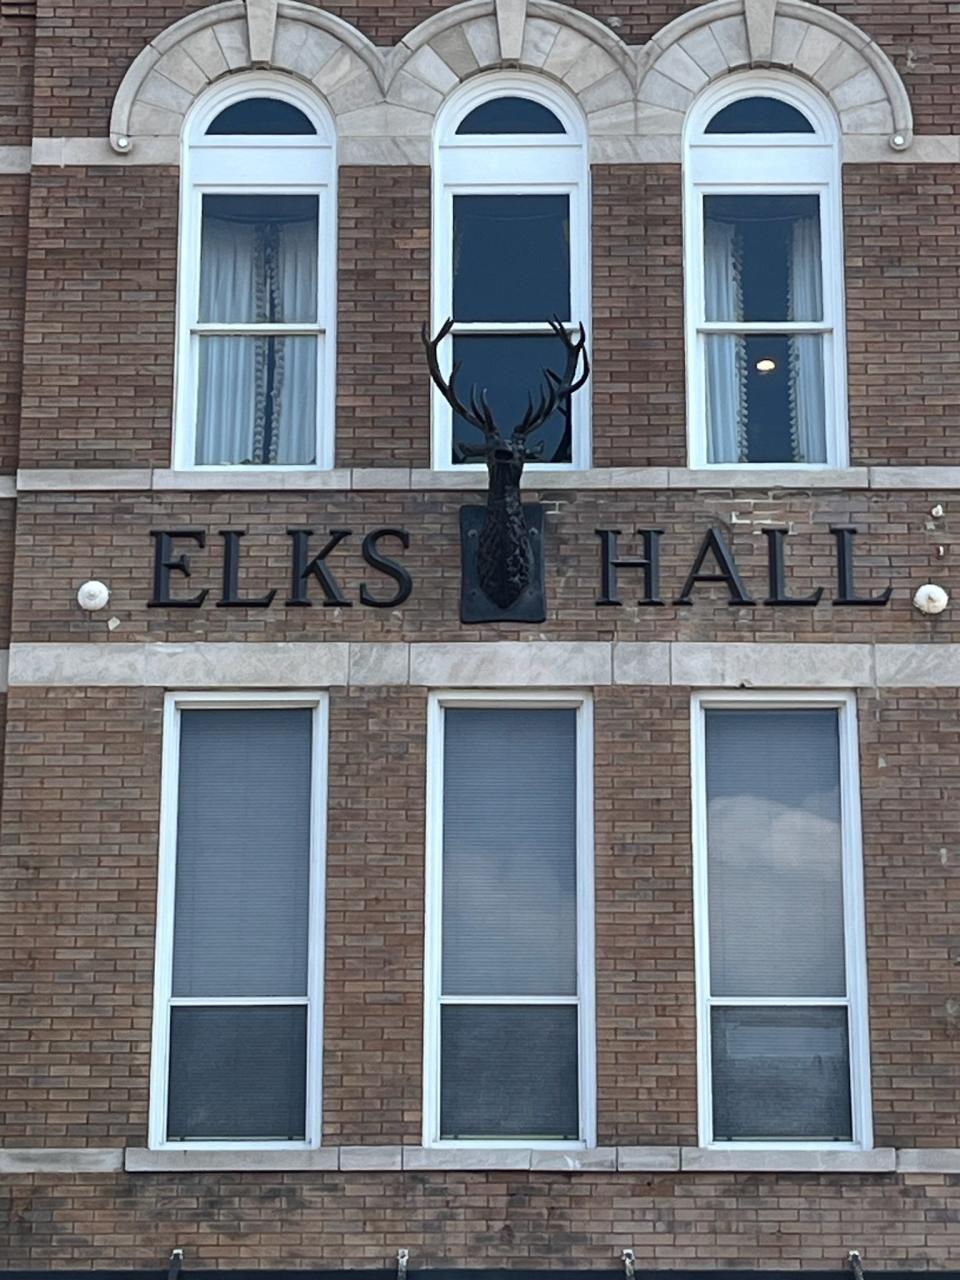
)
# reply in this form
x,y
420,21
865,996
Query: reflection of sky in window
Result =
x,y
510,115
511,258
509,854
775,853
759,115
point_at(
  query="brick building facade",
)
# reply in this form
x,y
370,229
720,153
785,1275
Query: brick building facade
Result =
x,y
730,999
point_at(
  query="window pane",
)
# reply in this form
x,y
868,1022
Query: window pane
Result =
x,y
509,852
775,874
260,116
511,258
511,367
258,260
765,398
759,115
257,400
762,258
509,1072
237,1073
510,115
781,1073
243,853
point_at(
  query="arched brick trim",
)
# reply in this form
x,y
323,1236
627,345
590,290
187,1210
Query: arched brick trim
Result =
x,y
164,79
534,35
726,35
389,98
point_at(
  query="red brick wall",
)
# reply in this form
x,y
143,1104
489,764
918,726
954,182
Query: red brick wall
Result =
x,y
101,289
102,282
551,1222
64,539
14,198
78,892
73,94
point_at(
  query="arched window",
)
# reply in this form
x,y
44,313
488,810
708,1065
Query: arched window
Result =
x,y
257,296
766,359
511,245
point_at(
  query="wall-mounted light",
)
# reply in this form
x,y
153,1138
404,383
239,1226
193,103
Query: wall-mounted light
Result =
x,y
766,365
93,595
930,598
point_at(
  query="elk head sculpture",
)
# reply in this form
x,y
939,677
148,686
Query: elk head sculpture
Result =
x,y
506,562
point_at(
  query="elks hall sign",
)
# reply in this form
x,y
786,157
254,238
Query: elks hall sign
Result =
x,y
623,577
502,554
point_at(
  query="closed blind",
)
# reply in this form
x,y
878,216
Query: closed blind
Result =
x,y
243,849
509,852
774,853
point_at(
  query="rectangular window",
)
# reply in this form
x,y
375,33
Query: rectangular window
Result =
x,y
509,1053
237,1009
258,330
762,268
781,966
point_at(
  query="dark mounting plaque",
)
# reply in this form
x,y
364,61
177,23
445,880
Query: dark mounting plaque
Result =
x,y
531,604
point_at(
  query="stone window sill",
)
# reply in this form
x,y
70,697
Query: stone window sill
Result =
x,y
407,479
934,1161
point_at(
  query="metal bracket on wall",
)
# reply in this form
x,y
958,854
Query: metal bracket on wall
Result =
x,y
176,1262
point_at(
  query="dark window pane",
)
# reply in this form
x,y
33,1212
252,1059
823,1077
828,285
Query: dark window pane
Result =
x,y
759,115
511,258
775,865
762,258
510,368
263,116
243,852
510,115
765,398
510,866
258,260
508,1072
781,1073
237,1073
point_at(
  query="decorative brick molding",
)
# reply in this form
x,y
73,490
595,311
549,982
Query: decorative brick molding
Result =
x,y
385,100
727,35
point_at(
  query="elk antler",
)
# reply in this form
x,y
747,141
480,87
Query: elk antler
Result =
x,y
479,414
558,387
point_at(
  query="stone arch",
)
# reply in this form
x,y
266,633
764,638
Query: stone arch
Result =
x,y
854,74
540,36
163,81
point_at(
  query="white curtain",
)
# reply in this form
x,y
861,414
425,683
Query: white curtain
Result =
x,y
257,395
805,302
726,353
295,406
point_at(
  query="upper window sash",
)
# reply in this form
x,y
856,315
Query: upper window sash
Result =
x,y
853,1000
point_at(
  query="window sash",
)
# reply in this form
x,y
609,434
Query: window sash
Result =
x,y
164,1000
584,999
855,999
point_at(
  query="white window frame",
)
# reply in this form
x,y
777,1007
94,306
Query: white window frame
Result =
x,y
163,999
855,1000
509,164
433,945
765,164
298,164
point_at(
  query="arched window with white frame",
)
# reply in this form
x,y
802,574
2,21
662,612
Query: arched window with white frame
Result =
x,y
511,250
763,234
257,295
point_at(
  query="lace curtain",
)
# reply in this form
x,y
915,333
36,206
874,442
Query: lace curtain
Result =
x,y
257,394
